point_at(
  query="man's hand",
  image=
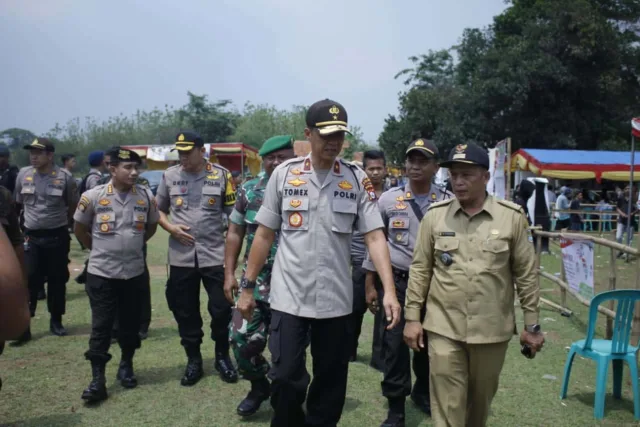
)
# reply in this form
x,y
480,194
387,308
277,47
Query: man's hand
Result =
x,y
179,232
414,335
246,304
230,287
391,309
534,341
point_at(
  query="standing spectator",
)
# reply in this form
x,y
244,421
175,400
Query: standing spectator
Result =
x,y
237,179
68,163
551,194
8,172
576,218
625,224
563,205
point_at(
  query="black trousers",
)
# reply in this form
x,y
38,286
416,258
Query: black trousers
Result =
x,y
145,302
288,343
47,258
111,298
397,371
183,298
358,275
379,325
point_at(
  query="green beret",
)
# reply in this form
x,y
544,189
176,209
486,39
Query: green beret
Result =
x,y
276,143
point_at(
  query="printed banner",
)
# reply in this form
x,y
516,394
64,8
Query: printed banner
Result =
x,y
500,169
577,257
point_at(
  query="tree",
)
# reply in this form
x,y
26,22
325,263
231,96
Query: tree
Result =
x,y
258,123
213,121
548,74
355,143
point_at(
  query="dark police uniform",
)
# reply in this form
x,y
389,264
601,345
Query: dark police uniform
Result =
x,y
46,200
316,213
201,202
402,210
11,225
116,272
8,174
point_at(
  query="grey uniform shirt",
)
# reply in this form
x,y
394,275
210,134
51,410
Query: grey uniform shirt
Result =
x,y
358,247
92,179
201,202
311,276
402,222
117,224
45,198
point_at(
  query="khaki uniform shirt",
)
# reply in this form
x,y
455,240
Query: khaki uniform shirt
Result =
x,y
472,299
397,210
312,272
201,202
117,229
45,198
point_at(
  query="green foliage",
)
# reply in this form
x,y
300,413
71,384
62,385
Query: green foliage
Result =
x,y
548,74
257,123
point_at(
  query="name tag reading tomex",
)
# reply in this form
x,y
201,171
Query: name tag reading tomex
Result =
x,y
448,234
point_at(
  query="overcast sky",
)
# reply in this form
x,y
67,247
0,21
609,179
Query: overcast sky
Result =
x,y
75,58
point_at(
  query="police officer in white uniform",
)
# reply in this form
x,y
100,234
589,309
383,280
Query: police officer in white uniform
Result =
x,y
198,195
402,209
48,199
315,203
114,221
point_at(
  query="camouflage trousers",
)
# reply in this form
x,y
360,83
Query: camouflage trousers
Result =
x,y
249,339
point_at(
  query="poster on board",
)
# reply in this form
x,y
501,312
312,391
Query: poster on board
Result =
x,y
577,258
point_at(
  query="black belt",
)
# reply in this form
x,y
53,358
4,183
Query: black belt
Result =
x,y
400,274
48,232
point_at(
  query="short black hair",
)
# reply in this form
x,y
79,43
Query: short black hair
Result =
x,y
373,155
66,157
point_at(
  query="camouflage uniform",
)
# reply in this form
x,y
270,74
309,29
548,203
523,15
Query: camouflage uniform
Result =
x,y
249,338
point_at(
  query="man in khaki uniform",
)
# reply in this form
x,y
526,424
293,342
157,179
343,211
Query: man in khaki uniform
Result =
x,y
469,252
114,221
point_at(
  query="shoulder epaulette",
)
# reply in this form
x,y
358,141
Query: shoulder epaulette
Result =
x,y
292,160
172,167
510,205
66,172
25,168
441,203
219,166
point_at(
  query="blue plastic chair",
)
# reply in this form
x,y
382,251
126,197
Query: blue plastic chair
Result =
x,y
617,350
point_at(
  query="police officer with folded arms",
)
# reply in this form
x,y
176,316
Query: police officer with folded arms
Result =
x,y
315,203
114,221
402,209
198,195
48,199
469,252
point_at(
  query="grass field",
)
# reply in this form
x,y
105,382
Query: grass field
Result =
x,y
44,379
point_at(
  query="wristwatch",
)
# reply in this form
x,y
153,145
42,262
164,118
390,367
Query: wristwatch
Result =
x,y
533,329
247,284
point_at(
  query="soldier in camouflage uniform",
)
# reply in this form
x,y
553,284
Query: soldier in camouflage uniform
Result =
x,y
249,338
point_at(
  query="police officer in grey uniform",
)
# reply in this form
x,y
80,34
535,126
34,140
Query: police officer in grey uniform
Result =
x,y
114,221
402,209
315,203
48,199
197,194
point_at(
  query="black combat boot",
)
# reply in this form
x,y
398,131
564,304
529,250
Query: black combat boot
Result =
x,y
193,372
97,390
125,374
260,391
55,326
395,416
225,367
22,339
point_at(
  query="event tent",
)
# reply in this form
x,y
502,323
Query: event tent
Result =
x,y
575,164
232,155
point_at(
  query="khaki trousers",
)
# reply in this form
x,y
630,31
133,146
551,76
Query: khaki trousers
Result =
x,y
463,380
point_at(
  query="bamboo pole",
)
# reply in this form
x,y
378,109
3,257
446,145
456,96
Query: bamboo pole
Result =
x,y
563,310
598,240
579,297
563,277
612,286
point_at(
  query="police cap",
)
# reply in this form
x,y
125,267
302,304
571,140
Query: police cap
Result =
x,y
469,153
424,146
119,155
41,144
328,117
187,141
